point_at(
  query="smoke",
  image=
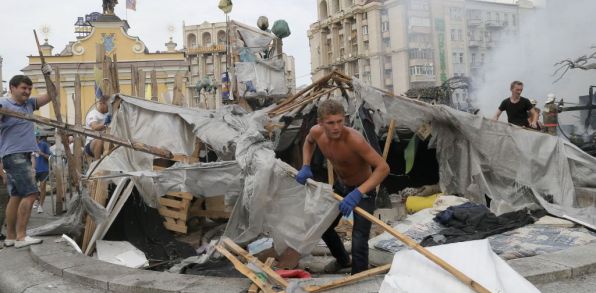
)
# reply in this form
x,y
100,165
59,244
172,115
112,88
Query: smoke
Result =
x,y
560,29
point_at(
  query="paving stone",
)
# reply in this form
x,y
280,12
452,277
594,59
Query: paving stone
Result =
x,y
218,285
17,266
581,259
96,275
150,281
61,286
58,262
538,270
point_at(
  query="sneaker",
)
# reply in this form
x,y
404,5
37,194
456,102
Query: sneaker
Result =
x,y
39,209
9,242
36,204
27,241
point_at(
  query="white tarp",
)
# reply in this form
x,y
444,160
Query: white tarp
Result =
x,y
412,272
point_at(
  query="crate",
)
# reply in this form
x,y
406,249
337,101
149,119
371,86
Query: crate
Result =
x,y
174,208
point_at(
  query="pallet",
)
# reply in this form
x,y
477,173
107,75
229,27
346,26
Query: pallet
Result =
x,y
213,207
174,207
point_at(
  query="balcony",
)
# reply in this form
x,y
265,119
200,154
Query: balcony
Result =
x,y
494,24
422,78
474,43
474,21
207,49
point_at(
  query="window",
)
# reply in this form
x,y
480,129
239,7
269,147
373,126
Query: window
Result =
x,y
473,58
365,15
419,21
454,55
498,17
387,43
206,39
482,58
323,10
460,35
513,20
365,30
461,58
192,40
421,54
422,70
456,13
453,34
385,26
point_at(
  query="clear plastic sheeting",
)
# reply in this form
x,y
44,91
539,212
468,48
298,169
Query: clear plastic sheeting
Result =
x,y
295,216
412,272
267,77
515,167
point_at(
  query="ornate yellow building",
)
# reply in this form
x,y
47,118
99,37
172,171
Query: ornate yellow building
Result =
x,y
79,56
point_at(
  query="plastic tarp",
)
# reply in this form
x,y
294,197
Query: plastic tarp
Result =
x,y
515,167
412,272
269,199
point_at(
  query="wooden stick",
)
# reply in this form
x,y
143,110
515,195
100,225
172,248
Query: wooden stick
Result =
x,y
390,133
349,280
95,134
154,96
253,287
78,139
239,250
330,173
412,244
243,269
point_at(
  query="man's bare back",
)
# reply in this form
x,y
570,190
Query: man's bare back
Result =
x,y
351,168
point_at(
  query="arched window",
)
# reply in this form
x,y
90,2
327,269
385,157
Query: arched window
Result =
x,y
335,6
206,39
221,37
323,10
348,4
191,41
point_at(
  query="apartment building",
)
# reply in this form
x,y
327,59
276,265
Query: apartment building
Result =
x,y
401,44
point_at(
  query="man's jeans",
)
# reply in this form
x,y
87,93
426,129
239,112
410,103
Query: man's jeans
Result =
x,y
3,202
360,233
21,181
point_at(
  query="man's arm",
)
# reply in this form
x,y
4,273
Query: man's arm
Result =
x,y
42,100
497,115
380,167
309,146
97,126
533,117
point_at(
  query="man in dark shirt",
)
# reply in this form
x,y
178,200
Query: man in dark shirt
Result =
x,y
518,107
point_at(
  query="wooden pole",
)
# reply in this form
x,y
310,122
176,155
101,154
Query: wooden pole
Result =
x,y
390,133
133,81
142,83
412,244
78,139
115,78
95,134
53,94
350,279
154,96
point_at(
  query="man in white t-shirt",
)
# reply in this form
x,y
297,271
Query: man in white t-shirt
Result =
x,y
97,120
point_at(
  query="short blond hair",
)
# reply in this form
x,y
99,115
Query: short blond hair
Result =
x,y
330,107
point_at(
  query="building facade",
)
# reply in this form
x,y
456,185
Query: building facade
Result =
x,y
79,57
401,44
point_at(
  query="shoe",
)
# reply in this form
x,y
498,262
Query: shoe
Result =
x,y
9,242
39,209
27,241
36,204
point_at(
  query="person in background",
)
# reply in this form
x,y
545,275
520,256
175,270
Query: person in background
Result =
x,y
98,119
42,170
518,108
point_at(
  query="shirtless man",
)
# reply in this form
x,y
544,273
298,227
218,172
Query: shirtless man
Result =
x,y
359,168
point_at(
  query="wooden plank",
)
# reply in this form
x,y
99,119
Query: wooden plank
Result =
x,y
171,203
330,173
100,196
390,133
253,287
178,90
215,203
78,139
181,194
113,214
243,269
211,214
142,83
414,245
252,259
350,279
165,212
175,227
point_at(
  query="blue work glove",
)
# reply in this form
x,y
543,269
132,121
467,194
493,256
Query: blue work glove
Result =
x,y
108,119
304,174
350,201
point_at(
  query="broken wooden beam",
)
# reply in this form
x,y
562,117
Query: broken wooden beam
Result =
x,y
137,146
412,244
349,279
